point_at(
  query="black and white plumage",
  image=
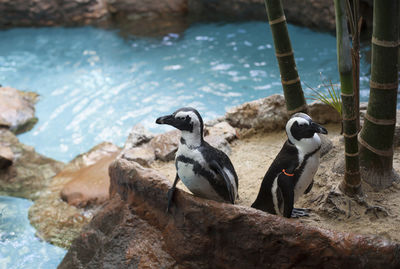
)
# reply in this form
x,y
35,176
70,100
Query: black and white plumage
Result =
x,y
206,171
291,173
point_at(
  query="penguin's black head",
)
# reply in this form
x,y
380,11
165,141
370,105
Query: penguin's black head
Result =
x,y
300,126
185,119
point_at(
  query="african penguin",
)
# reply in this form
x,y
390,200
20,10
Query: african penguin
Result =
x,y
206,171
291,173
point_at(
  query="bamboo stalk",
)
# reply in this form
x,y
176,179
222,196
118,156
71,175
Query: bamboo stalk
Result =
x,y
351,183
294,96
376,137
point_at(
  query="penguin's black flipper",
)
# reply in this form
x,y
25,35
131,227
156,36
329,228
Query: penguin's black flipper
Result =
x,y
171,192
285,184
218,169
309,187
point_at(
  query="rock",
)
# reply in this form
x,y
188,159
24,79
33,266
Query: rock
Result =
x,y
87,176
222,129
268,114
316,14
89,185
51,12
30,173
199,233
170,16
138,136
326,144
144,155
83,182
219,142
6,157
323,113
142,245
165,145
144,9
17,109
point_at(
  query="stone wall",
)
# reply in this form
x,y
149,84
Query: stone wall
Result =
x,y
318,14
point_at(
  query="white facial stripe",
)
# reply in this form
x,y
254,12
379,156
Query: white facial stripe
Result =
x,y
191,115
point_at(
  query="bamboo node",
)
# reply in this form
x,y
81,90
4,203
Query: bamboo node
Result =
x,y
289,82
384,153
383,86
380,121
385,43
347,94
278,20
284,54
301,108
352,154
350,135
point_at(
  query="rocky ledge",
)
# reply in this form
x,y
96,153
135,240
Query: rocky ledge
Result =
x,y
149,17
133,230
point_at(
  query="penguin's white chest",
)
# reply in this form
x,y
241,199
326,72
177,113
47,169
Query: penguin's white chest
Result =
x,y
196,183
307,176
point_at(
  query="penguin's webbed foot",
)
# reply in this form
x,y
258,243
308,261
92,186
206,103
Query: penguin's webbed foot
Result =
x,y
170,196
300,212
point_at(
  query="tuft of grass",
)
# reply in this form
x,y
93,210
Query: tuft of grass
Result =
x,y
332,98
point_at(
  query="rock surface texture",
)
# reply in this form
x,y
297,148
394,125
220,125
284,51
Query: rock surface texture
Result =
x,y
269,114
17,109
30,172
165,16
200,233
84,185
51,12
89,184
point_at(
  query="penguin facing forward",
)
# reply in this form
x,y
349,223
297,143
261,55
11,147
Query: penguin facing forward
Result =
x,y
206,171
291,173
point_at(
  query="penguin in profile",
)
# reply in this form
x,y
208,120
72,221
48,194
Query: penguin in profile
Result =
x,y
206,171
291,173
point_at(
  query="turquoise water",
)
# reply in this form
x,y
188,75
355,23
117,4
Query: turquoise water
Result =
x,y
19,248
95,85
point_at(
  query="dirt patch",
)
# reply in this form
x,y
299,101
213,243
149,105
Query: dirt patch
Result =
x,y
253,153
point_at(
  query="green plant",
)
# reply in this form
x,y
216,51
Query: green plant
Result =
x,y
331,98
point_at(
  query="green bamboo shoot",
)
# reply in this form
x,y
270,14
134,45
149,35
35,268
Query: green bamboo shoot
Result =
x,y
294,96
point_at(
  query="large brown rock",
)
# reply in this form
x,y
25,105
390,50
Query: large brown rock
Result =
x,y
83,182
267,113
88,185
270,114
87,176
323,113
200,233
165,145
30,173
17,109
221,129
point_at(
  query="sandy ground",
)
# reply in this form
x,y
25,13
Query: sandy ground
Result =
x,y
330,209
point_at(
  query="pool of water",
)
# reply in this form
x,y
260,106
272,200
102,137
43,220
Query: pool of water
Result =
x,y
19,248
95,85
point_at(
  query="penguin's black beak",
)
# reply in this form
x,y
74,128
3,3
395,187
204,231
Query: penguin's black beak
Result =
x,y
169,119
318,128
